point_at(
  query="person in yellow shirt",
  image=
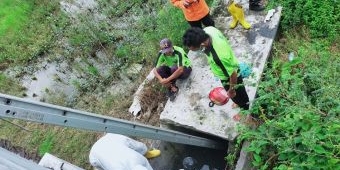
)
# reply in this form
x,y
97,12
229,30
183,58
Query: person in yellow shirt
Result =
x,y
196,12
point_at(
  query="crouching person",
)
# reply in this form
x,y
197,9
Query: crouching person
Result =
x,y
117,152
172,64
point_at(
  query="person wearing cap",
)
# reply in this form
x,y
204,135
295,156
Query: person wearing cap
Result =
x,y
117,152
172,63
218,51
196,12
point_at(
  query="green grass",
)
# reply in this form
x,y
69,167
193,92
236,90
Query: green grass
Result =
x,y
299,105
13,15
9,86
93,70
47,144
72,145
25,29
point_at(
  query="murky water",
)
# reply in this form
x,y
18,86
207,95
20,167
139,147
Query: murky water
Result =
x,y
172,156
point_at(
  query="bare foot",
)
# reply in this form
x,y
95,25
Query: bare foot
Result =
x,y
237,117
251,121
234,105
139,116
174,88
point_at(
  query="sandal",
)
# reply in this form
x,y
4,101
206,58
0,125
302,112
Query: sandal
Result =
x,y
172,92
173,88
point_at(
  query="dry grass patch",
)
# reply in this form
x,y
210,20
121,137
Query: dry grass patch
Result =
x,y
153,100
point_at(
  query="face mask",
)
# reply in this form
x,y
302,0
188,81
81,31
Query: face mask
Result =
x,y
202,48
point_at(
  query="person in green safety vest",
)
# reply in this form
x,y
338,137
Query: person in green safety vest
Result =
x,y
222,61
172,63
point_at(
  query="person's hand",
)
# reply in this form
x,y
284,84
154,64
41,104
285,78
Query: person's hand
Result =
x,y
186,4
164,81
231,93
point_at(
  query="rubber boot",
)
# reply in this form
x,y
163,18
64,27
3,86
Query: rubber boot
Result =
x,y
256,5
234,22
152,153
237,13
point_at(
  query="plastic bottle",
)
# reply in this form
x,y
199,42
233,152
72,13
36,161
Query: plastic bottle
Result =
x,y
189,163
291,56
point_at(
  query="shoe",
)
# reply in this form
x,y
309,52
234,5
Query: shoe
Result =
x,y
152,153
172,94
234,22
237,13
256,5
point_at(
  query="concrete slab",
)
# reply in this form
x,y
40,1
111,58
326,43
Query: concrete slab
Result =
x,y
52,162
190,109
10,161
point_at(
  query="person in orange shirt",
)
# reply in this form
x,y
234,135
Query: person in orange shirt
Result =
x,y
196,12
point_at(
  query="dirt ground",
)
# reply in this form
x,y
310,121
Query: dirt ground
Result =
x,y
153,100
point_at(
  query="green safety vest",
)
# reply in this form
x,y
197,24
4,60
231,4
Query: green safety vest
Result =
x,y
179,58
224,53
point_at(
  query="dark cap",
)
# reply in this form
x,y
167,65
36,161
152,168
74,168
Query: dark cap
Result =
x,y
166,45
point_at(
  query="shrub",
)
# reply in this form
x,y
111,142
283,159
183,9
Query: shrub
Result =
x,y
321,17
299,105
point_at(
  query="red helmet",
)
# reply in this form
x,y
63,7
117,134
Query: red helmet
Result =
x,y
218,96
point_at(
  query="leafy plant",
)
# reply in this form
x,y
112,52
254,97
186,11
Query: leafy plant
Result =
x,y
321,17
93,70
299,105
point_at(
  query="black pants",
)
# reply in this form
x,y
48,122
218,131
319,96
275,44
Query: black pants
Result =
x,y
207,21
251,2
241,98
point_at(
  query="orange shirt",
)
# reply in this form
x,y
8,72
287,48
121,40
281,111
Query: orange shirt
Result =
x,y
195,11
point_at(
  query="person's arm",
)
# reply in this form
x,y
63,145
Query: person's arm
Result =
x,y
174,75
180,3
136,146
232,84
157,75
160,61
180,68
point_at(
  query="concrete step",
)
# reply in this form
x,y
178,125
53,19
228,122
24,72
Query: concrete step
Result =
x,y
10,160
52,162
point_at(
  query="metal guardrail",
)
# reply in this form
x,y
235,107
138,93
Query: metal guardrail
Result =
x,y
18,108
9,160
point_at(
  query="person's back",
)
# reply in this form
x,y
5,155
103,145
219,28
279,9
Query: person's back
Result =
x,y
196,12
118,152
222,61
224,52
